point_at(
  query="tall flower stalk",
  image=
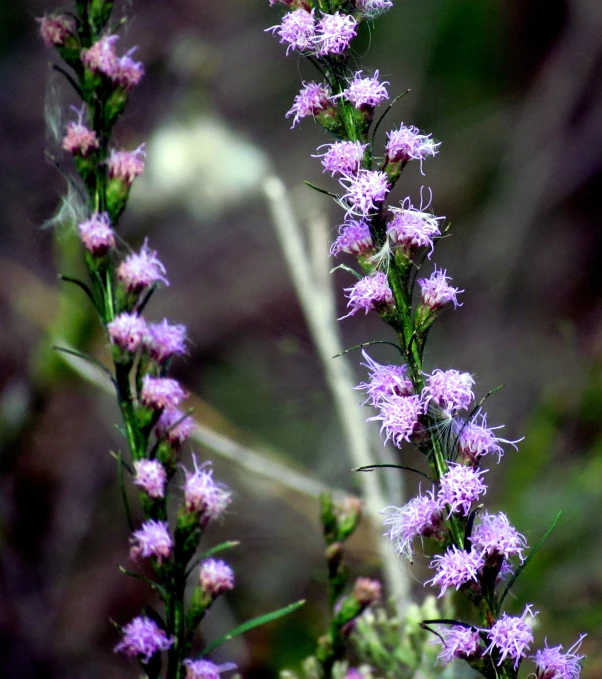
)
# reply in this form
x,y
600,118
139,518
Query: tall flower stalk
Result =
x,y
475,552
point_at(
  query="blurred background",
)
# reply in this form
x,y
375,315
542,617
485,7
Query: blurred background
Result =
x,y
512,90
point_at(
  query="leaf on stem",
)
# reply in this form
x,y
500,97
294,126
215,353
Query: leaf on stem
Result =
x,y
367,344
87,357
120,464
384,113
82,286
319,190
372,467
155,585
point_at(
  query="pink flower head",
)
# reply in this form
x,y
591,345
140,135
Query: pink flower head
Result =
x,y
450,390
399,416
96,234
55,29
476,440
455,568
367,591
460,487
127,331
79,140
164,340
141,270
205,669
101,57
370,293
204,495
161,392
354,238
334,32
126,165
366,189
366,92
174,426
127,72
216,577
313,98
343,157
153,539
421,516
385,380
407,143
495,535
143,637
437,292
151,477
297,30
412,229
370,9
552,663
458,642
512,636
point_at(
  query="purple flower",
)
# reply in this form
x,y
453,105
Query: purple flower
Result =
x,y
385,380
399,416
174,426
421,516
297,30
458,642
343,157
205,669
512,636
126,165
164,340
370,293
161,392
460,487
365,92
216,577
79,139
412,229
334,32
153,539
352,673
143,637
97,235
476,440
373,8
127,331
407,143
204,495
354,237
313,98
55,29
127,72
365,191
450,390
101,57
436,291
455,568
140,270
552,663
151,477
495,535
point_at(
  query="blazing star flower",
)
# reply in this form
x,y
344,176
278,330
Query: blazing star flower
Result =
x,y
365,92
366,189
367,591
460,487
161,392
407,143
143,637
476,440
412,229
399,416
450,390
126,165
216,577
370,293
204,495
385,380
55,29
153,539
512,636
96,234
458,642
421,516
100,58
342,157
151,477
552,663
164,340
174,426
455,568
79,140
127,331
205,669
495,535
373,8
313,98
141,270
436,291
297,30
354,237
334,32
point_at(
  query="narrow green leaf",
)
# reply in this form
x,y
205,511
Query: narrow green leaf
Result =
x,y
124,496
348,269
389,107
319,190
220,548
82,286
372,467
137,576
251,624
367,344
89,359
69,78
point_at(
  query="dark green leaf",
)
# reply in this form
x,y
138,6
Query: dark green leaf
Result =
x,y
372,467
319,190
